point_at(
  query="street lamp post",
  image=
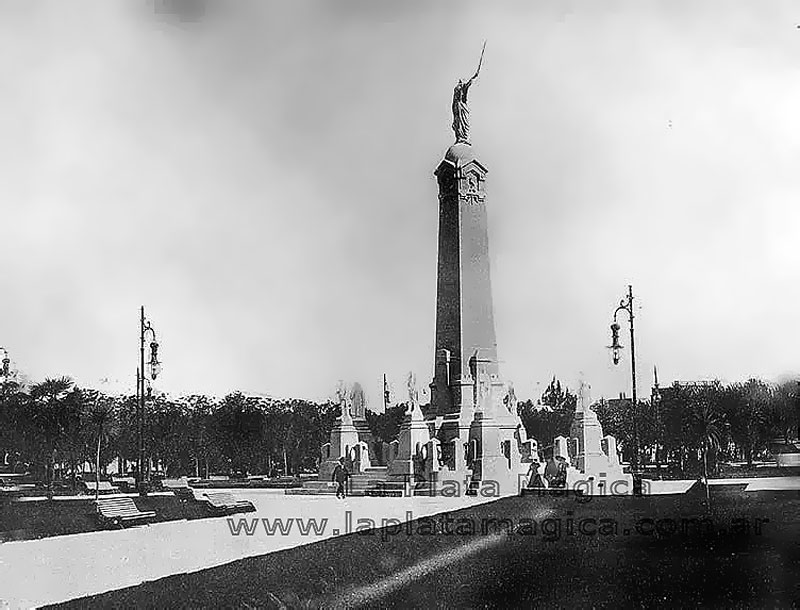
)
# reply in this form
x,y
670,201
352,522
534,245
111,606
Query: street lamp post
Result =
x,y
627,306
155,368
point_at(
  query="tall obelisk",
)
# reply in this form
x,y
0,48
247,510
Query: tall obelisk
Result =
x,y
481,439
466,346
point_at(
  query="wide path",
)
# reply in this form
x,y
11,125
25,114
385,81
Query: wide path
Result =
x,y
50,570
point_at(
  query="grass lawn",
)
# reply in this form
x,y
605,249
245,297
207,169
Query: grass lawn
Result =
x,y
41,519
716,566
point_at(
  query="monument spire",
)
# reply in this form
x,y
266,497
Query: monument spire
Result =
x,y
464,308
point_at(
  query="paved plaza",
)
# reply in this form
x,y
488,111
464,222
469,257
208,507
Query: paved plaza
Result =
x,y
51,570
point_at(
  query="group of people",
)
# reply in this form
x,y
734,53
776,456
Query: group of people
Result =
x,y
555,474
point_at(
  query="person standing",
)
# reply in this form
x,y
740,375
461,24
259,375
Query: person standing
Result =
x,y
340,476
561,477
551,470
535,480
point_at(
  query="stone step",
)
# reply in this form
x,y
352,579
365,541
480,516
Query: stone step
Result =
x,y
384,493
386,488
364,485
318,485
363,477
300,491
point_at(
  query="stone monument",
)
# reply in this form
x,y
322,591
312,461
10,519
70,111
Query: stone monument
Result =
x,y
477,437
408,464
592,456
471,434
350,436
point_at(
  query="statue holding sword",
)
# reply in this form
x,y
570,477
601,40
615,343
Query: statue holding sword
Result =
x,y
460,108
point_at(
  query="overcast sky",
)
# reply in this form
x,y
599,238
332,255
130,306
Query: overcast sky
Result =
x,y
262,181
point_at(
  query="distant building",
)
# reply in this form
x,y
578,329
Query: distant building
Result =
x,y
618,403
659,393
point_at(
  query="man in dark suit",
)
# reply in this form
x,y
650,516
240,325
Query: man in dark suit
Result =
x,y
340,476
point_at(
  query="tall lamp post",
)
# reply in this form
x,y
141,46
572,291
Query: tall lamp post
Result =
x,y
145,328
626,305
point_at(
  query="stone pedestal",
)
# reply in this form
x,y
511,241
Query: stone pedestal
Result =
x,y
494,435
593,455
587,431
561,448
344,436
408,465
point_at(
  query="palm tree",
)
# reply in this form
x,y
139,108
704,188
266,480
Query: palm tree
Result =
x,y
53,418
100,417
708,427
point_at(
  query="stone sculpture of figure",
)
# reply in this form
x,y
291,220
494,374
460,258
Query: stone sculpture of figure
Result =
x,y
584,399
460,108
413,396
344,404
484,390
473,373
357,401
511,399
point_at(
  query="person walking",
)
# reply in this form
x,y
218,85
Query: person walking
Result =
x,y
340,476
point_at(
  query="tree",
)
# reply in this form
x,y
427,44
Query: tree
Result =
x,y
707,426
55,422
15,425
99,418
203,438
126,445
746,409
674,424
558,398
616,418
783,410
551,416
239,424
386,426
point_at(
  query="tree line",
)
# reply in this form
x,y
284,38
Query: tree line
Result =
x,y
687,426
53,429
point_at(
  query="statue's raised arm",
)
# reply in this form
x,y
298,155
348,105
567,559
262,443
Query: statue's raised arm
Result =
x,y
480,61
460,108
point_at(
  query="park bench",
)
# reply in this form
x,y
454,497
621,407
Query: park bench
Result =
x,y
224,502
103,487
126,484
119,511
179,487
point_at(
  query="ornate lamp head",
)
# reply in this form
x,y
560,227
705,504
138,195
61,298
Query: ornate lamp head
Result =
x,y
155,365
